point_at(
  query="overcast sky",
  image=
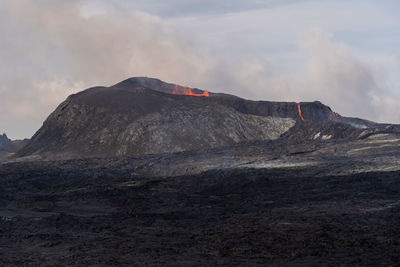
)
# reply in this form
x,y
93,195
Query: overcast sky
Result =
x,y
344,53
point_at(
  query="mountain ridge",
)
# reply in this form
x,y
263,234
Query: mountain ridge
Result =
x,y
140,116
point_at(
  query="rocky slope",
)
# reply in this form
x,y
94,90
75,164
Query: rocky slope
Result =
x,y
8,147
4,140
141,116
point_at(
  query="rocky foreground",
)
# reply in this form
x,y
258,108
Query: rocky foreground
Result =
x,y
64,213
324,203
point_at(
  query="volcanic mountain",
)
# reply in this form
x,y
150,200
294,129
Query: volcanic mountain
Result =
x,y
160,174
141,116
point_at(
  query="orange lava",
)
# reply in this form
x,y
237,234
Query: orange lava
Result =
x,y
298,105
188,91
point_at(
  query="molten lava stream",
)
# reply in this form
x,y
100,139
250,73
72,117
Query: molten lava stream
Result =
x,y
298,106
188,91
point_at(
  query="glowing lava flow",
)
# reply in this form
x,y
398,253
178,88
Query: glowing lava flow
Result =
x,y
188,91
298,105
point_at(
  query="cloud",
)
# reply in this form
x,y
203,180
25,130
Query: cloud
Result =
x,y
107,46
331,72
345,79
184,8
336,75
50,49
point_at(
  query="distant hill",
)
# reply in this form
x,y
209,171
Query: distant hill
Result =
x,y
8,147
141,116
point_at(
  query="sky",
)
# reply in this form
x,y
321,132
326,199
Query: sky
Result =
x,y
344,53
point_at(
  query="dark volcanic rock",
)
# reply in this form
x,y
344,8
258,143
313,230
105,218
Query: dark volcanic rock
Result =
x,y
9,147
129,119
311,110
250,183
141,116
62,214
4,140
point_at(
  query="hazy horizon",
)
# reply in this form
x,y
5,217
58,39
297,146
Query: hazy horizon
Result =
x,y
345,54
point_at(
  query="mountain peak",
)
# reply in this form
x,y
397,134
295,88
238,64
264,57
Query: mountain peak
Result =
x,y
161,86
4,140
140,81
143,115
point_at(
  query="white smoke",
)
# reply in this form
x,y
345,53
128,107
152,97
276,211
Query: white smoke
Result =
x,y
50,49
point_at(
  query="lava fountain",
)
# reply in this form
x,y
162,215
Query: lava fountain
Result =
x,y
188,91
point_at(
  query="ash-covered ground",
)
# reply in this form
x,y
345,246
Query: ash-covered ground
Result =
x,y
87,213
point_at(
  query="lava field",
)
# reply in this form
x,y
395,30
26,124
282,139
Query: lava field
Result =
x,y
57,213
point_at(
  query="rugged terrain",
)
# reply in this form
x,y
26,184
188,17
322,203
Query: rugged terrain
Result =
x,y
85,213
9,147
149,173
4,140
147,116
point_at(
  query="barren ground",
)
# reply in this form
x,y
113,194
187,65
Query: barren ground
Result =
x,y
54,214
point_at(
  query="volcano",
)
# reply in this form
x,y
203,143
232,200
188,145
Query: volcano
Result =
x,y
156,173
141,116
